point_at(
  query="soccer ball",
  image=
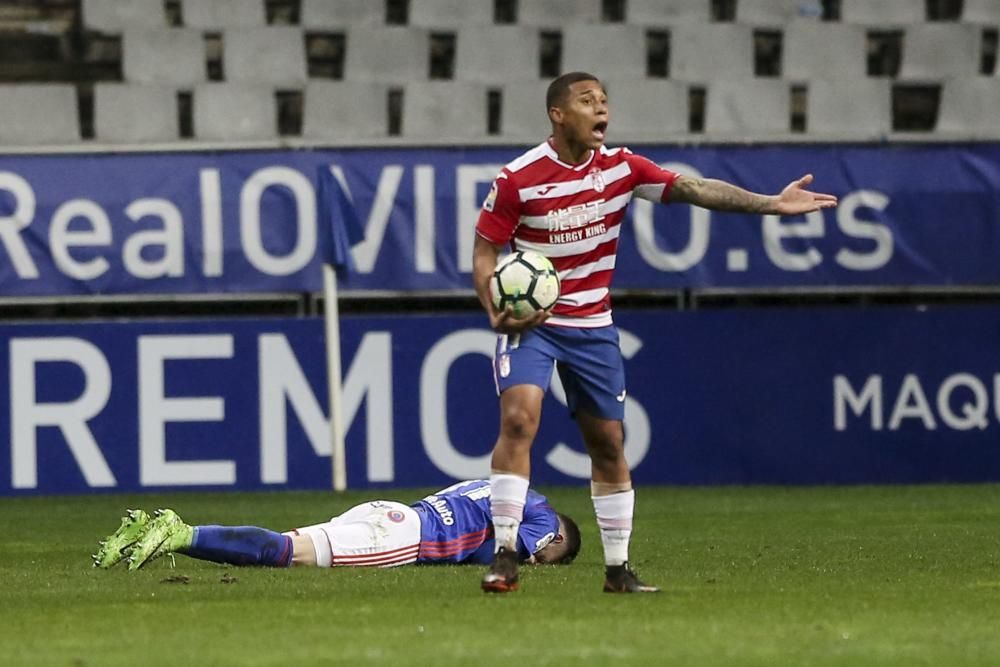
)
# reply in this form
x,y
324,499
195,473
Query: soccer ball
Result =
x,y
525,281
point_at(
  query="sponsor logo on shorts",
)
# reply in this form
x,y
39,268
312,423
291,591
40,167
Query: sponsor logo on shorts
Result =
x,y
504,365
620,397
396,516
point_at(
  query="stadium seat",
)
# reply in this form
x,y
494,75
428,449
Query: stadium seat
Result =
x,y
274,55
814,50
134,113
849,109
608,51
523,118
659,13
437,14
557,14
387,55
940,50
38,113
646,110
222,14
747,106
713,51
883,13
969,107
341,14
339,110
770,13
439,110
981,11
234,112
476,48
173,56
114,16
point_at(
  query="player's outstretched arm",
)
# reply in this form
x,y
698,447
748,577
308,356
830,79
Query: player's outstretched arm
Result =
x,y
484,262
722,196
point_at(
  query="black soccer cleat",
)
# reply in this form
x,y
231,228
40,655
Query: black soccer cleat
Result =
x,y
621,579
502,577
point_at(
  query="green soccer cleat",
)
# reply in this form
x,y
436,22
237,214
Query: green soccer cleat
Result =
x,y
114,547
166,534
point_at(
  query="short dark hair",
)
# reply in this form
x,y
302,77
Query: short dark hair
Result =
x,y
560,86
570,533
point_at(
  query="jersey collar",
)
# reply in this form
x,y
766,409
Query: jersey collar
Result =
x,y
551,153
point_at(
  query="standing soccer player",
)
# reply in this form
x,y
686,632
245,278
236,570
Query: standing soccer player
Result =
x,y
566,199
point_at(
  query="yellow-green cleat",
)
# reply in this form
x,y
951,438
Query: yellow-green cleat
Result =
x,y
165,534
114,547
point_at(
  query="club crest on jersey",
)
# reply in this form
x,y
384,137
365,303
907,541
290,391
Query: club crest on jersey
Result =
x,y
597,177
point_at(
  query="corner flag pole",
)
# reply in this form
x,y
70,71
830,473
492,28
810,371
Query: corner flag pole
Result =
x,y
331,317
344,230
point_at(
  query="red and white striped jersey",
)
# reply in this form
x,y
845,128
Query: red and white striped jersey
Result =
x,y
572,214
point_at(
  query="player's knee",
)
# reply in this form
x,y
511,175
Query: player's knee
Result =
x,y
519,423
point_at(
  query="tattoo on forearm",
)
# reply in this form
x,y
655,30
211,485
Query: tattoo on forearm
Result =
x,y
720,196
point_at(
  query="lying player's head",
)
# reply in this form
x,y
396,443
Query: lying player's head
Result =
x,y
564,547
578,109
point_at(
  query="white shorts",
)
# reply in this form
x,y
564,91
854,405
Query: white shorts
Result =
x,y
380,533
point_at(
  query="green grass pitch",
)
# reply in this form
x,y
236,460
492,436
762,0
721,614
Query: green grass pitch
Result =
x,y
752,576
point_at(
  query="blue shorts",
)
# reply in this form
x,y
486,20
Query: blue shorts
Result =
x,y
589,362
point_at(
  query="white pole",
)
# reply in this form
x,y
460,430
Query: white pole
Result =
x,y
338,454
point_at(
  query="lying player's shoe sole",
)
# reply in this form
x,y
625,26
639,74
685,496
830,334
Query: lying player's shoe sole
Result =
x,y
166,533
114,547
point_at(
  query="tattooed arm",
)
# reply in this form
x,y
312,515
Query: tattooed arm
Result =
x,y
722,196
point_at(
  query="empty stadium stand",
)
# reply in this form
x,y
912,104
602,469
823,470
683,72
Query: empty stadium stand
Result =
x,y
38,114
234,112
681,54
476,46
175,56
744,106
128,113
272,55
450,14
114,16
850,109
222,14
345,110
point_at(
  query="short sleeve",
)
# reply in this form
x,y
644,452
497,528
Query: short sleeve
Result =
x,y
539,526
501,211
652,181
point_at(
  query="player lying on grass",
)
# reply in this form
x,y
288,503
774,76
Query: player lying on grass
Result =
x,y
454,525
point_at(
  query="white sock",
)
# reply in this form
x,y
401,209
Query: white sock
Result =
x,y
614,518
508,494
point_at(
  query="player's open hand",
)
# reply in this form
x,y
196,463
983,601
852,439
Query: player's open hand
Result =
x,y
795,199
504,321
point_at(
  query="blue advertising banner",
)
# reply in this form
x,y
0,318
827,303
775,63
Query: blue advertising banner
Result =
x,y
717,397
254,221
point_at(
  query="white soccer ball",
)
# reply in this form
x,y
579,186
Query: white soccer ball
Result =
x,y
526,281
